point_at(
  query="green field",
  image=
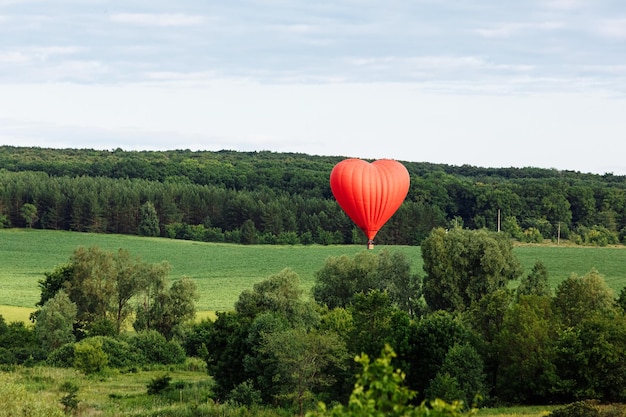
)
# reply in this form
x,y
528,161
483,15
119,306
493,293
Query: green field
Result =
x,y
222,271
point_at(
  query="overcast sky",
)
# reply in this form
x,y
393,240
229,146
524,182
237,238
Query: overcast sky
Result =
x,y
491,83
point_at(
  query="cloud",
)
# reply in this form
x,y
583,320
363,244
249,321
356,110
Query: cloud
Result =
x,y
508,29
157,19
611,28
563,4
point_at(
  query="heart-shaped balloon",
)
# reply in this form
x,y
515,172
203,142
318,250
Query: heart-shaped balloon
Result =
x,y
369,193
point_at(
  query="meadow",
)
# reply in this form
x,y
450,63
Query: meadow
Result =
x,y
222,271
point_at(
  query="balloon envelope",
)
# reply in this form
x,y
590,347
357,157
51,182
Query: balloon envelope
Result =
x,y
369,193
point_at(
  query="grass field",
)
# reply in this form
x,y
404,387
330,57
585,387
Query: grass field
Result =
x,y
122,394
222,271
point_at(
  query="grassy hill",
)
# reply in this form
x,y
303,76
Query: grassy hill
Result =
x,y
222,271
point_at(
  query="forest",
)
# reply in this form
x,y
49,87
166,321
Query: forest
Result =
x,y
284,198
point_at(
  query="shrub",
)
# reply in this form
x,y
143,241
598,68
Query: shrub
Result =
x,y
7,357
89,356
159,384
62,357
245,394
532,235
70,399
120,353
577,409
155,349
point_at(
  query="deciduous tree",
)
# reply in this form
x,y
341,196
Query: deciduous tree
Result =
x,y
55,322
464,265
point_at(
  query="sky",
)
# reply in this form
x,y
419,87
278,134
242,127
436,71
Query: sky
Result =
x,y
488,83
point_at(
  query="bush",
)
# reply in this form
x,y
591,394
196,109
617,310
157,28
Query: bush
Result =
x,y
159,384
155,349
532,235
577,409
62,357
245,394
120,353
7,357
89,356
70,399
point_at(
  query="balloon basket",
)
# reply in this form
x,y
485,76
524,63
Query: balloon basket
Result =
x,y
370,244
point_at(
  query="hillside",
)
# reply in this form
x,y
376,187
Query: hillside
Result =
x,y
267,197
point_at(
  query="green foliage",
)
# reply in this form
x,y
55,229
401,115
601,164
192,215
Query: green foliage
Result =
x,y
589,359
89,357
342,277
460,378
166,310
375,323
101,285
120,353
286,195
535,283
155,348
149,225
532,235
222,271
55,322
577,409
462,266
305,362
18,344
249,232
580,297
279,293
18,401
596,235
380,391
159,384
70,399
54,282
29,214
525,351
512,227
245,394
62,357
431,339
4,221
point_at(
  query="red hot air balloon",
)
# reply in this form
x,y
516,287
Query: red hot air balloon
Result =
x,y
369,193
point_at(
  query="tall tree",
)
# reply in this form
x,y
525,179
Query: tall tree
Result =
x,y
93,290
536,282
525,352
279,293
342,277
166,309
103,284
580,297
149,224
305,361
55,322
464,265
29,214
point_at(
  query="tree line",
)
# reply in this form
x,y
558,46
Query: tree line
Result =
x,y
458,331
285,198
